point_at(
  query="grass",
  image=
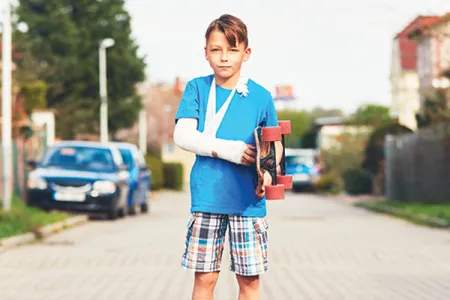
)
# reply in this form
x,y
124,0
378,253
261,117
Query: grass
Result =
x,y
433,215
21,219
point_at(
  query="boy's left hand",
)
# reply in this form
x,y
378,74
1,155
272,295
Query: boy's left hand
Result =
x,y
249,156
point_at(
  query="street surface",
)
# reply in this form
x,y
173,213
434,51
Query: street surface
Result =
x,y
319,249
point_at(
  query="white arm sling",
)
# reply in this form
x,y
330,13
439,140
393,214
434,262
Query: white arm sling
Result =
x,y
187,137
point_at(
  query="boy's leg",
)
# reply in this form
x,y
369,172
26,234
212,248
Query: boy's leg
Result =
x,y
203,252
248,247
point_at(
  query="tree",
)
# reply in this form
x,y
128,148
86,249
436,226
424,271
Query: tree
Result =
x,y
300,122
435,109
319,112
370,114
64,37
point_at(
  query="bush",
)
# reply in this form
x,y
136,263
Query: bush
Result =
x,y
328,183
156,165
34,95
357,181
173,176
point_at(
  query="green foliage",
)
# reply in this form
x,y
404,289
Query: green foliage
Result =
x,y
374,152
435,109
300,122
433,215
173,176
328,183
346,153
357,181
22,219
64,37
155,164
370,114
34,95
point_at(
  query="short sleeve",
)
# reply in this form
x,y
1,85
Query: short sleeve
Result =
x,y
189,104
270,115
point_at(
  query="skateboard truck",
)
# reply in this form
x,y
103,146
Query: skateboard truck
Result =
x,y
266,159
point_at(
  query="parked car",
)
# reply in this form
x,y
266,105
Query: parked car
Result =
x,y
140,177
304,167
80,176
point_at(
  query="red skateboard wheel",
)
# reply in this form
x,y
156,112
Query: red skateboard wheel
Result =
x,y
285,126
274,192
271,134
286,180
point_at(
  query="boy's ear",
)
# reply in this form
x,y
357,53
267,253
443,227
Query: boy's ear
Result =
x,y
247,54
206,56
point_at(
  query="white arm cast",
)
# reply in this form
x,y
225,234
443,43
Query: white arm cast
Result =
x,y
187,137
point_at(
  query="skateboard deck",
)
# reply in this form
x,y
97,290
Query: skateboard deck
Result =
x,y
272,180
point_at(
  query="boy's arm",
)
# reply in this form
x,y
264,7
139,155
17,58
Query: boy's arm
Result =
x,y
187,137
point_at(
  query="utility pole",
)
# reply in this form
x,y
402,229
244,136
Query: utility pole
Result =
x,y
6,109
106,43
143,120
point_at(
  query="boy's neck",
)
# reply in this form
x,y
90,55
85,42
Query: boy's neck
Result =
x,y
228,83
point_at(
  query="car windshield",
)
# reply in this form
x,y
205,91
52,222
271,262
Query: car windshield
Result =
x,y
306,160
79,158
127,157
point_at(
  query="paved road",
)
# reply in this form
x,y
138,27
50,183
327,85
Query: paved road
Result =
x,y
319,249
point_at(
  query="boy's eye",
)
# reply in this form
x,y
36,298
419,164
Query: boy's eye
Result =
x,y
235,50
214,50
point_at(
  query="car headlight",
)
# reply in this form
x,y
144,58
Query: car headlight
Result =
x,y
37,183
104,187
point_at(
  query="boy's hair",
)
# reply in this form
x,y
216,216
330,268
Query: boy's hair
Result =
x,y
234,29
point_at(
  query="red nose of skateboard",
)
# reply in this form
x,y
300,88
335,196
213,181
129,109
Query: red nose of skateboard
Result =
x,y
274,192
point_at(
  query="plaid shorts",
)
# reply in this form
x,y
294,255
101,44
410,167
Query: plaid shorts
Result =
x,y
205,241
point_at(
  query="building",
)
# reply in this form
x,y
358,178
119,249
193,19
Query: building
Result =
x,y
405,83
433,55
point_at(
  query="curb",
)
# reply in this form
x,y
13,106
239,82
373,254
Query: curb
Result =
x,y
42,232
50,229
17,240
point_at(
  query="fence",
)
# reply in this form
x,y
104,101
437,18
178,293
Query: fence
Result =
x,y
22,151
418,166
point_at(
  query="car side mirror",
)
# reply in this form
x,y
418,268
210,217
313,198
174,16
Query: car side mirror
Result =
x,y
32,164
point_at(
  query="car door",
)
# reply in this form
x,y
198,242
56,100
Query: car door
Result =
x,y
143,177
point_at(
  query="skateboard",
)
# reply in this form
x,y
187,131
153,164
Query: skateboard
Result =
x,y
265,138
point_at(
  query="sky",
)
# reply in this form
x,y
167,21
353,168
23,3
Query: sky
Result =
x,y
335,54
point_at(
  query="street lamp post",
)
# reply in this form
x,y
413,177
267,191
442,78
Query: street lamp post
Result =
x,y
6,109
106,43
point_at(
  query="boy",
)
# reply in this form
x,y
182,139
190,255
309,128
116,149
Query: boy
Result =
x,y
215,119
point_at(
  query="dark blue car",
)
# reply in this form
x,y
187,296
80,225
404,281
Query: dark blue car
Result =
x,y
140,177
80,176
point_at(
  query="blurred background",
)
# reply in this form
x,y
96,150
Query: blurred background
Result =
x,y
365,84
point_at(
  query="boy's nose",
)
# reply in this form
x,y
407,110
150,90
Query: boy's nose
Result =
x,y
224,56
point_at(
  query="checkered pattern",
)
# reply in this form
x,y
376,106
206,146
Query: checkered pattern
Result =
x,y
205,241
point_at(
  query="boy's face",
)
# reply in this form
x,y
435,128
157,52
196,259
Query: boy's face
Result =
x,y
224,59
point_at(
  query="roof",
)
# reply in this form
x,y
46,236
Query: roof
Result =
x,y
124,145
329,121
92,144
407,46
426,24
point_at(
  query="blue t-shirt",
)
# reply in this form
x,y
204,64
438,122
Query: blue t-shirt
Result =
x,y
219,186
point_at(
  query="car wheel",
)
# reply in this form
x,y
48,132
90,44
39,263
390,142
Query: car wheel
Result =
x,y
144,207
132,210
113,214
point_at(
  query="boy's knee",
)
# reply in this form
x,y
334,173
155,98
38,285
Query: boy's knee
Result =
x,y
206,280
248,282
